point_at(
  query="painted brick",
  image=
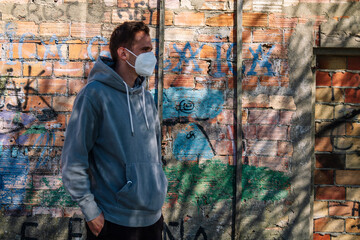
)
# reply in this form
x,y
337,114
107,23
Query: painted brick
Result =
x,y
152,17
72,211
249,83
346,110
268,148
63,103
59,140
263,116
330,95
80,51
33,103
172,4
208,51
330,193
348,177
329,225
54,85
323,79
173,80
324,111
352,161
354,63
75,85
70,69
33,69
353,225
10,70
25,50
49,50
282,102
189,19
353,194
272,132
55,28
353,129
46,182
331,62
255,19
321,209
324,177
344,209
323,144
346,79
318,236
325,129
347,143
58,123
54,212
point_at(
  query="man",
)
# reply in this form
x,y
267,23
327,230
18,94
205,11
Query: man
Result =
x,y
111,160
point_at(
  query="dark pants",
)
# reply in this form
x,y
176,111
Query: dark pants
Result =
x,y
112,231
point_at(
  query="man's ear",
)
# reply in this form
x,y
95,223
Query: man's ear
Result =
x,y
122,53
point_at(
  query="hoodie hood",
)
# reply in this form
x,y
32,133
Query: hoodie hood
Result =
x,y
103,71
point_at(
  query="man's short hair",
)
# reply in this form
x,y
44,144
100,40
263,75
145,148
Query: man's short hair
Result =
x,y
124,35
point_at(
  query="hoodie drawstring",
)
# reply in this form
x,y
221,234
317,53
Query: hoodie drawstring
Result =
x,y
143,107
130,114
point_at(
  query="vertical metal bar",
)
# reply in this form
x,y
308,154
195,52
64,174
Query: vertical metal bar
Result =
x,y
238,169
160,73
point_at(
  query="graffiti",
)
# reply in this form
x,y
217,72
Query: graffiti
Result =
x,y
355,209
192,144
264,184
66,11
168,234
183,58
23,230
9,36
199,104
185,106
74,223
215,179
261,59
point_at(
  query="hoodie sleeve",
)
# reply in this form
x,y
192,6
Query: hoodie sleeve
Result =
x,y
80,137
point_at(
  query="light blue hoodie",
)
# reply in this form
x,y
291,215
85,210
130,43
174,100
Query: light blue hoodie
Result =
x,y
111,160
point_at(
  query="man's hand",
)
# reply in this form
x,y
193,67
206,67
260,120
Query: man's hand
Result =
x,y
96,224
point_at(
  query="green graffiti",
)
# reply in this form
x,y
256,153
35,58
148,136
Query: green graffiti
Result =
x,y
211,182
200,184
264,184
36,129
50,197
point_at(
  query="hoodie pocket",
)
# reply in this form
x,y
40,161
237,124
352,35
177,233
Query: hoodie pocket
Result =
x,y
146,187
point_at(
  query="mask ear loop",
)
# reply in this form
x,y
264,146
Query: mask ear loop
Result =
x,y
133,55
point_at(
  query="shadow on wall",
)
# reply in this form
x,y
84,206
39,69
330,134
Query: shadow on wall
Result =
x,y
199,139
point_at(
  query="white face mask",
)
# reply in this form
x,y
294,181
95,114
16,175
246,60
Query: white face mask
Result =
x,y
144,63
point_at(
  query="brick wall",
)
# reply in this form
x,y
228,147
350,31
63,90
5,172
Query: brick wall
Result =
x,y
337,167
49,47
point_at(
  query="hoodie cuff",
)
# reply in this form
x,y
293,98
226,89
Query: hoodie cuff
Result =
x,y
90,209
